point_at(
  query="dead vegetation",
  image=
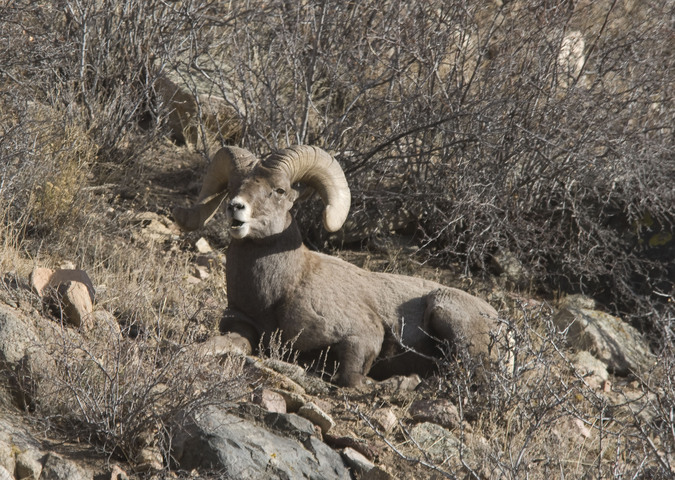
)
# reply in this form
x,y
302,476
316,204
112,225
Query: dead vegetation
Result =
x,y
477,118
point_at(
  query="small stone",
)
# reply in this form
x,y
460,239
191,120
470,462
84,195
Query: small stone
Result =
x,y
378,473
401,383
230,343
202,246
317,416
270,400
385,419
118,474
356,461
200,272
593,370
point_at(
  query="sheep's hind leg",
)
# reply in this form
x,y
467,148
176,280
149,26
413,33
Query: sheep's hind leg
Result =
x,y
462,319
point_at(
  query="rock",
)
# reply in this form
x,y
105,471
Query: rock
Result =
x,y
439,444
357,461
118,474
200,272
105,327
70,291
23,355
385,419
230,343
351,442
238,448
510,268
4,474
616,343
202,246
75,304
28,465
275,378
153,227
401,383
577,301
270,400
378,473
7,456
593,370
149,458
293,400
219,118
318,417
43,278
296,373
58,468
17,335
440,411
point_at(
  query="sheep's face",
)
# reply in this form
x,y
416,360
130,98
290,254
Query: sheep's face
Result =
x,y
260,206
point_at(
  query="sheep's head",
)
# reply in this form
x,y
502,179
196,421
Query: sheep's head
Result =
x,y
262,193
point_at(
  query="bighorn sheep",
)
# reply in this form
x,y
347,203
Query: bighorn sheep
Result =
x,y
275,282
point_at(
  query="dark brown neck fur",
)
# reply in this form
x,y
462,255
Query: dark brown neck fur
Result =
x,y
259,272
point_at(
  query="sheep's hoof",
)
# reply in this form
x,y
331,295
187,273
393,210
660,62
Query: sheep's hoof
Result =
x,y
356,381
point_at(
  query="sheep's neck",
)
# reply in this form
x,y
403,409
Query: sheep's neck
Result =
x,y
259,272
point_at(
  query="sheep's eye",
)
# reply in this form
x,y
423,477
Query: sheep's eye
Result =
x,y
280,191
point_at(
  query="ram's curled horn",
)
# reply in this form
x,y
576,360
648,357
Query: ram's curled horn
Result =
x,y
319,170
228,166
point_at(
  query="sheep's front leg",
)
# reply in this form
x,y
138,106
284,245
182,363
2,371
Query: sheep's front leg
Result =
x,y
356,355
240,330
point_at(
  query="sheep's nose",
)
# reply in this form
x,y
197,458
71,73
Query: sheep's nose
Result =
x,y
236,205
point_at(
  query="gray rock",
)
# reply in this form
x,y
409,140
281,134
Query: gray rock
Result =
x,y
4,474
58,468
440,411
357,461
7,460
593,370
616,343
240,448
29,464
435,441
318,417
17,335
442,446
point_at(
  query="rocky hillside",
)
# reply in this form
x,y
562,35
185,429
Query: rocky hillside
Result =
x,y
521,151
97,387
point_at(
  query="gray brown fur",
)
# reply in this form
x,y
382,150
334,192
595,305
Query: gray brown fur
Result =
x,y
275,282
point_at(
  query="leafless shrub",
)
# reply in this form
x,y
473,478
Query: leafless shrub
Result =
x,y
118,392
533,128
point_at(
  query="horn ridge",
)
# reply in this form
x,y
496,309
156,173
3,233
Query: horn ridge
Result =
x,y
318,169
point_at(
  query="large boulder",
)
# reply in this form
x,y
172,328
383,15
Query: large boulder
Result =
x,y
275,446
609,339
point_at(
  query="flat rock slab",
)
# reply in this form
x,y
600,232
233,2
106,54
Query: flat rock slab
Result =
x,y
217,440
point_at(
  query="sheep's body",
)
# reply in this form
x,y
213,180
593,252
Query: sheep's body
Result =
x,y
323,301
275,283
